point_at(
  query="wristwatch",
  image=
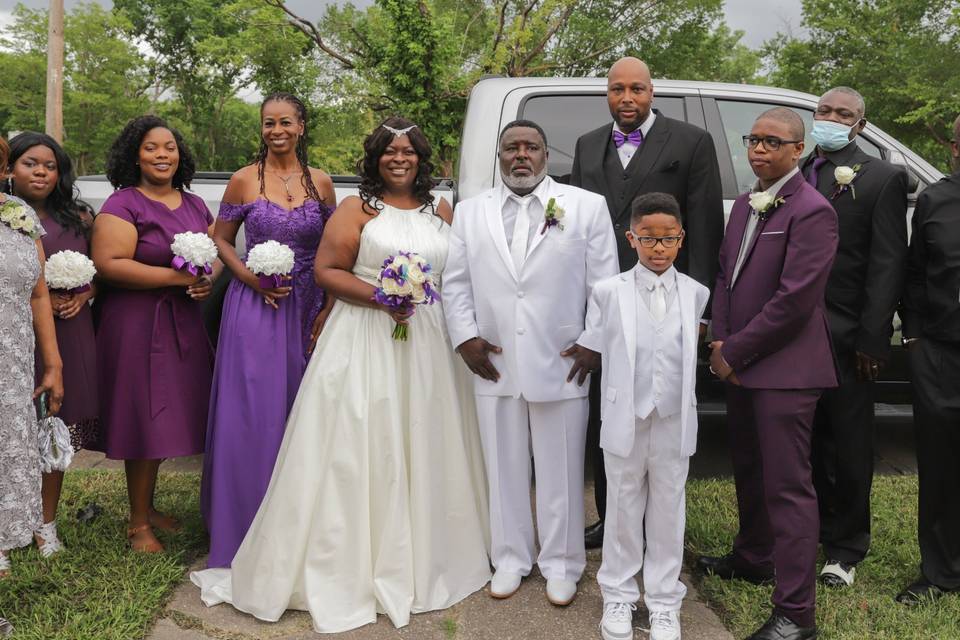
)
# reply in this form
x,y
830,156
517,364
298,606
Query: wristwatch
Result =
x,y
907,341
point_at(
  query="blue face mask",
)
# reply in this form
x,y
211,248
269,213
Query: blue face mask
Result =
x,y
831,136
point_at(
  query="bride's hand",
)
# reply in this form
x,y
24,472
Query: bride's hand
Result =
x,y
400,316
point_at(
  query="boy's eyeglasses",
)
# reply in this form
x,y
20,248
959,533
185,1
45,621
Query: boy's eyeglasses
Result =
x,y
649,242
770,143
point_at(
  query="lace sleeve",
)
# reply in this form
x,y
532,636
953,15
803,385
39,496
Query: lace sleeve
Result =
x,y
234,212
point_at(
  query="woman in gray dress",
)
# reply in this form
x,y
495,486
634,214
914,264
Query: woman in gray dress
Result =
x,y
27,321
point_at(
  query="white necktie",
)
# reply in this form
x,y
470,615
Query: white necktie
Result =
x,y
521,232
658,302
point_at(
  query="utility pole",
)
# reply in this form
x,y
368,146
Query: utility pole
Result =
x,y
55,71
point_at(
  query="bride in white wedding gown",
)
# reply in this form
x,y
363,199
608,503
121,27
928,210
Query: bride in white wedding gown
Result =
x,y
377,502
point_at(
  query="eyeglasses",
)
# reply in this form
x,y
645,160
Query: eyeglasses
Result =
x,y
770,143
649,242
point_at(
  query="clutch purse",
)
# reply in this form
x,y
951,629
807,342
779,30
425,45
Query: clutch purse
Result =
x,y
56,452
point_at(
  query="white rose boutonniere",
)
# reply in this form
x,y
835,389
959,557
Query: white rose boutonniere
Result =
x,y
843,181
764,203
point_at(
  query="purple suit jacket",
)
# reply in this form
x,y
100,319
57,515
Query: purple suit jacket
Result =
x,y
772,319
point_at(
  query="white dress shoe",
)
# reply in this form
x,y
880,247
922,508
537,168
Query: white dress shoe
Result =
x,y
561,592
664,625
617,621
504,584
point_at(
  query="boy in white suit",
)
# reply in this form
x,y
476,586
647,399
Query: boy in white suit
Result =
x,y
646,324
523,258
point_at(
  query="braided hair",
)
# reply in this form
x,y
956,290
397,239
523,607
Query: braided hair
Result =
x,y
306,179
368,167
61,204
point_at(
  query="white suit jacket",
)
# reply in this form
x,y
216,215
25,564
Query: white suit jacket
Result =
x,y
612,329
537,314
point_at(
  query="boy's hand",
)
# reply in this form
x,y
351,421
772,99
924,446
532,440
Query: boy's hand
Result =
x,y
585,361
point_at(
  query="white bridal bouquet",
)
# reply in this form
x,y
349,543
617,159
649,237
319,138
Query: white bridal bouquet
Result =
x,y
405,280
194,252
69,271
272,262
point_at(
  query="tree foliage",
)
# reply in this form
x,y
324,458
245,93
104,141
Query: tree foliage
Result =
x,y
900,54
420,58
105,79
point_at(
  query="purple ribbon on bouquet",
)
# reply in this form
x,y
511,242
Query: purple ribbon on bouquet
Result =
x,y
274,281
179,263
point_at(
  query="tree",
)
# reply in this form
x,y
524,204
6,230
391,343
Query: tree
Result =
x,y
105,80
895,52
204,52
420,58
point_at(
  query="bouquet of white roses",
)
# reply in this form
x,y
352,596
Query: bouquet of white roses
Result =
x,y
194,252
69,271
405,281
272,262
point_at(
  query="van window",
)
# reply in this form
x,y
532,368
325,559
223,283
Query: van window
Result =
x,y
738,118
565,118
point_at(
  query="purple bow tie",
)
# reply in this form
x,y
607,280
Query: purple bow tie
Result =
x,y
635,137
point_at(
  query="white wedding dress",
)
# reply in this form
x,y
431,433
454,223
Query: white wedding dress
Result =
x,y
377,502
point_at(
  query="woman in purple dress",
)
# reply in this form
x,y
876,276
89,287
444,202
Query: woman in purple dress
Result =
x,y
154,360
42,175
266,334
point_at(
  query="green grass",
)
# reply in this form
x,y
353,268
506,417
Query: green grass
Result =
x,y
98,589
865,611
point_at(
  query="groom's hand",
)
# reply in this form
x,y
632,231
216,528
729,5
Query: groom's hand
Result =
x,y
474,352
584,361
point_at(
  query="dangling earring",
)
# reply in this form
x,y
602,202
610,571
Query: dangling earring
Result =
x,y
10,185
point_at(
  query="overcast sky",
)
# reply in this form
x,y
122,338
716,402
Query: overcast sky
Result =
x,y
777,15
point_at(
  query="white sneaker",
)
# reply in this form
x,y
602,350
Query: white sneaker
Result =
x,y
617,621
561,592
504,584
664,625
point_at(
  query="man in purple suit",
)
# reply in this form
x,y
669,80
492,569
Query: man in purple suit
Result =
x,y
772,346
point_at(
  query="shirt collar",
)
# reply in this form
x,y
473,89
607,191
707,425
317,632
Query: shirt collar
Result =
x,y
647,279
540,192
776,186
644,128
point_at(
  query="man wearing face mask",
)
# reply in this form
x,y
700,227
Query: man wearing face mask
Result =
x,y
931,331
870,198
523,259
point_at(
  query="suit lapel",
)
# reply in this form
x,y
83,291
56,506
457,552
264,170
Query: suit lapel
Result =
x,y
646,157
495,225
627,298
786,191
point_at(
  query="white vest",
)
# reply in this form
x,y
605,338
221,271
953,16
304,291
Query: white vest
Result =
x,y
658,380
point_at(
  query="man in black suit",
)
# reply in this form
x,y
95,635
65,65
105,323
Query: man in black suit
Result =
x,y
870,198
643,151
931,330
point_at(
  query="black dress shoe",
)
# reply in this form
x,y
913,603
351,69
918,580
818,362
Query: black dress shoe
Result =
x,y
779,627
919,592
593,535
724,567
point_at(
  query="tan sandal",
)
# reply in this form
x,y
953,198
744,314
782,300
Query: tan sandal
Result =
x,y
4,565
150,547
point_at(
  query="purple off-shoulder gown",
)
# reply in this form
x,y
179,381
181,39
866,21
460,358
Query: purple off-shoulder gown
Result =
x,y
261,356
154,360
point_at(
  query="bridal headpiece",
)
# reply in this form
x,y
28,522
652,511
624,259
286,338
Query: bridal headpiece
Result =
x,y
398,132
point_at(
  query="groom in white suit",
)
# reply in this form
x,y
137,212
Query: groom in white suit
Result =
x,y
523,259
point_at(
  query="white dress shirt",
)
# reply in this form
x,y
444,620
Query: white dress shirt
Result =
x,y
509,204
628,149
658,377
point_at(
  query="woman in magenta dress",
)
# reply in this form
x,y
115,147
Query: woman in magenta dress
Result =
x,y
153,356
265,334
42,175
